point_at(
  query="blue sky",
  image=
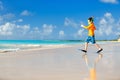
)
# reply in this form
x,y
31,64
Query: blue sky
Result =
x,y
58,19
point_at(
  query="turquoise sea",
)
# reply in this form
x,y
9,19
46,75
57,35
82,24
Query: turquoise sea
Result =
x,y
43,42
23,44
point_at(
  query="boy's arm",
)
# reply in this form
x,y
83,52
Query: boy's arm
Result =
x,y
86,27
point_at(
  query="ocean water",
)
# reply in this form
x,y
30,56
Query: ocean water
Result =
x,y
14,45
43,42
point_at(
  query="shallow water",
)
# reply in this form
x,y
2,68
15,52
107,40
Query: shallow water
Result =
x,y
15,45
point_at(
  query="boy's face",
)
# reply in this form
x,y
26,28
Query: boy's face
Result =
x,y
89,22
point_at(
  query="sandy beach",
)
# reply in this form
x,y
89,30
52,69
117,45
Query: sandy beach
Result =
x,y
61,63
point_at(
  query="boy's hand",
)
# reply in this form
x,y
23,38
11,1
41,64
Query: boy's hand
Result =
x,y
82,25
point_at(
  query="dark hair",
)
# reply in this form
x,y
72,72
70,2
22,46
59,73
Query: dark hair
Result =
x,y
91,19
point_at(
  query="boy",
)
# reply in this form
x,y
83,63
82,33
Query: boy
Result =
x,y
91,35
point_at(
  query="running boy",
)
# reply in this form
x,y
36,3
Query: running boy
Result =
x,y
91,35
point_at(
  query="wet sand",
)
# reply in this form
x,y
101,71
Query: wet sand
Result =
x,y
65,63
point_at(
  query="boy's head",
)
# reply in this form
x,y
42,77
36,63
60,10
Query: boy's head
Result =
x,y
90,20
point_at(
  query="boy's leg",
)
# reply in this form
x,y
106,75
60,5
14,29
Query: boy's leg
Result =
x,y
94,42
99,48
96,45
86,46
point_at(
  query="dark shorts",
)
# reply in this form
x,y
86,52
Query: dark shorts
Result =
x,y
90,39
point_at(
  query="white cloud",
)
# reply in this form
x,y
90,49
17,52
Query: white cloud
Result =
x,y
42,33
118,24
102,21
79,34
6,29
109,17
25,13
61,34
36,30
20,20
69,22
47,29
24,29
108,14
13,29
7,16
110,1
108,27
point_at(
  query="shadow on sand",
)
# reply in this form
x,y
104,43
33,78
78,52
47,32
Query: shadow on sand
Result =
x,y
92,69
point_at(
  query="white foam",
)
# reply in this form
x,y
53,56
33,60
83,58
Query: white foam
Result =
x,y
9,50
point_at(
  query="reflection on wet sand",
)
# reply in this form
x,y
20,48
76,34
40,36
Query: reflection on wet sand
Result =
x,y
92,69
